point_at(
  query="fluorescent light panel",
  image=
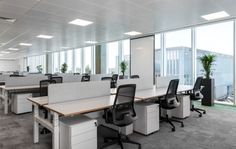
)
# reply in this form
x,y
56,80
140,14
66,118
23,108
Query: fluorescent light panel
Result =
x,y
91,42
45,36
217,15
5,52
133,33
81,22
13,49
25,44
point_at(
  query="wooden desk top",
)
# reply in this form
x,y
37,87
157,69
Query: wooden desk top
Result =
x,y
19,87
39,100
83,105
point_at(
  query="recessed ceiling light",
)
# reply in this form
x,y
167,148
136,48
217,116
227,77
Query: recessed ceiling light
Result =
x,y
81,22
217,15
133,33
13,49
25,44
91,42
5,52
65,47
45,36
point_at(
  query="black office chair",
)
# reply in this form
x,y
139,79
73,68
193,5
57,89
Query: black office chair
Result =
x,y
114,79
16,75
106,78
57,79
121,114
134,76
49,75
195,95
85,78
170,101
121,77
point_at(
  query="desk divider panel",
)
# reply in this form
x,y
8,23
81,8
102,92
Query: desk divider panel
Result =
x,y
71,78
164,81
4,77
24,81
98,77
141,84
65,92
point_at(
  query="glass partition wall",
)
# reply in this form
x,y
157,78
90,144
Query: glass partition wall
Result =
x,y
177,54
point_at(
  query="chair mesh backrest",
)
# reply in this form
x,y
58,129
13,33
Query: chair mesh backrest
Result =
x,y
134,76
106,78
44,86
57,79
49,75
172,88
115,77
85,78
124,100
121,77
197,85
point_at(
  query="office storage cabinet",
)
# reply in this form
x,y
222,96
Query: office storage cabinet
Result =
x,y
148,118
20,104
78,132
183,111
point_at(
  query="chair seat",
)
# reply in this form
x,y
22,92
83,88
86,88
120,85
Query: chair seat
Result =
x,y
126,119
171,105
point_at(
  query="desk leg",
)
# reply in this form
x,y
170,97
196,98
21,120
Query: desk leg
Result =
x,y
55,139
36,124
5,96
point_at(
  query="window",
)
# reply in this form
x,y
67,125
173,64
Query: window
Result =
x,y
126,54
77,56
87,60
62,58
112,57
217,39
35,61
69,59
158,56
179,55
55,62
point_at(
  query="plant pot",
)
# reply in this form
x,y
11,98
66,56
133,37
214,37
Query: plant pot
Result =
x,y
208,92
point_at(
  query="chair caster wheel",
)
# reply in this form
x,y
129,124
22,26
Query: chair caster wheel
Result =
x,y
204,112
200,115
182,125
173,129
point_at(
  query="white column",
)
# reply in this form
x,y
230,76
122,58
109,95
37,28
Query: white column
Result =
x,y
36,124
234,62
55,139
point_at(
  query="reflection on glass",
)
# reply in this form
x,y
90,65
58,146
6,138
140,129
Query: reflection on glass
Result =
x,y
218,39
179,55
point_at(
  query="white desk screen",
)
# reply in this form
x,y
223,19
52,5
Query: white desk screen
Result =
x,y
141,84
23,81
78,90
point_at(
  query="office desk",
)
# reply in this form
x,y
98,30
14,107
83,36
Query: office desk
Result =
x,y
7,91
158,92
66,109
82,106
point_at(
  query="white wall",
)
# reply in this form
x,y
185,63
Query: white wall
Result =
x,y
9,65
142,58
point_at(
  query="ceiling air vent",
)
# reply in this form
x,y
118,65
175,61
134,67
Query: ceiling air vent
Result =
x,y
8,19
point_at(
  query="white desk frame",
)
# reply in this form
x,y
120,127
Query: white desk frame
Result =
x,y
6,91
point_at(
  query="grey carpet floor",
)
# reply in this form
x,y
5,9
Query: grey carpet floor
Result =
x,y
215,130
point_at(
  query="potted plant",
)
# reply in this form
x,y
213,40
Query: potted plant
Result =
x,y
64,68
123,67
39,68
87,70
208,83
28,68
